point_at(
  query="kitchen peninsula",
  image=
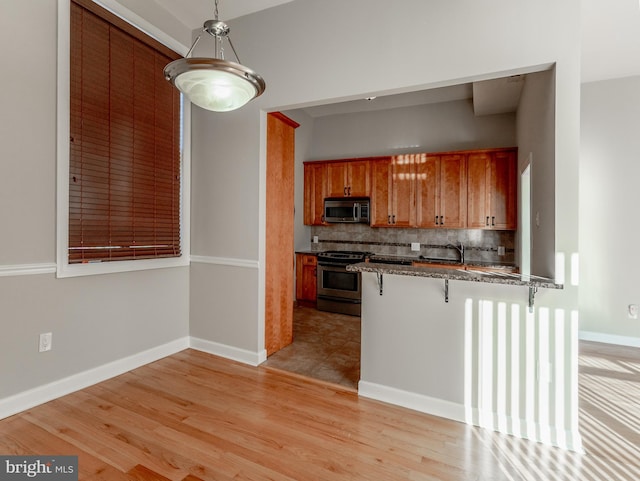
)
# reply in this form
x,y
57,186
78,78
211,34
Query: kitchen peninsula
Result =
x,y
465,345
459,273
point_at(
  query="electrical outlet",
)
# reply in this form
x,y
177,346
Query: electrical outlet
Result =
x,y
415,246
633,311
501,250
45,341
315,239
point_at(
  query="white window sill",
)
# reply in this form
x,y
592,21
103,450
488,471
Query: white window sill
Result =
x,y
90,269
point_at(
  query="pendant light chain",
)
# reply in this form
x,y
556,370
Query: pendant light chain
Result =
x,y
219,43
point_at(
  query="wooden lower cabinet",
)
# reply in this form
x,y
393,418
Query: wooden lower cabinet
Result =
x,y
306,278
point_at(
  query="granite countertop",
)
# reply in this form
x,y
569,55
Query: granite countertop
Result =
x,y
391,259
461,274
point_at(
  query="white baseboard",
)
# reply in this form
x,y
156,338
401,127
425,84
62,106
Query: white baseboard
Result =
x,y
456,412
609,338
417,402
42,394
527,429
234,353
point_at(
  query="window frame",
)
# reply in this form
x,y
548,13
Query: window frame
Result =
x,y
64,268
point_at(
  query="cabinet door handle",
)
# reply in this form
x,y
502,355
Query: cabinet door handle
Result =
x,y
436,221
394,218
493,221
441,220
344,191
487,222
322,219
388,219
349,190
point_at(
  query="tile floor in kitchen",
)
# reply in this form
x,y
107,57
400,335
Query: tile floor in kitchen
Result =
x,y
326,346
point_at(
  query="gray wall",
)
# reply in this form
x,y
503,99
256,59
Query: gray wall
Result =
x,y
229,162
536,141
94,320
423,128
609,173
282,44
304,142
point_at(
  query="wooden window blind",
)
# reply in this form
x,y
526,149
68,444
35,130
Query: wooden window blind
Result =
x,y
124,166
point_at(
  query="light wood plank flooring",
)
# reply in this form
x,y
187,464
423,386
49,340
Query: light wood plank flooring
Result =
x,y
193,416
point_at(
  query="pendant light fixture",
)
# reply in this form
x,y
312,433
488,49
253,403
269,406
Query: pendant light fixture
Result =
x,y
215,83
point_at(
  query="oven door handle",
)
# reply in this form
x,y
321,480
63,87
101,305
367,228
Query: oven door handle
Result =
x,y
334,264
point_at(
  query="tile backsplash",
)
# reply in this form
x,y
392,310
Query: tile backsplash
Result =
x,y
480,245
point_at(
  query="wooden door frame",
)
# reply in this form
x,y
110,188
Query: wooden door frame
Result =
x,y
278,299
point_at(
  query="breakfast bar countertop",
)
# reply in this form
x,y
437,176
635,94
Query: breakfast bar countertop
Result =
x,y
465,273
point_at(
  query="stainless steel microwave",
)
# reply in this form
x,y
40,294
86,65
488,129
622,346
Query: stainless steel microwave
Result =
x,y
339,210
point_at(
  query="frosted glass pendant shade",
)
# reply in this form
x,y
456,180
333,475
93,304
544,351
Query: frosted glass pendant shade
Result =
x,y
214,84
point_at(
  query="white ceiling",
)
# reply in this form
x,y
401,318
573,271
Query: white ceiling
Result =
x,y
610,39
610,30
610,48
193,13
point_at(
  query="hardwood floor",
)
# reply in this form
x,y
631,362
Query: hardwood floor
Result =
x,y
193,416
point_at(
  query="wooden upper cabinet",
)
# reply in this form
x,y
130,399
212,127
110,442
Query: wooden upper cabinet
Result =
x,y
504,190
477,188
393,192
492,190
380,209
348,178
404,191
315,190
449,190
441,191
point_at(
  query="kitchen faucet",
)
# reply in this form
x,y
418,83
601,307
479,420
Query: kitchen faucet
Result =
x,y
459,249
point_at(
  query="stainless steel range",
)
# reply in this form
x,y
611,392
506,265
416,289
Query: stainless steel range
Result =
x,y
338,289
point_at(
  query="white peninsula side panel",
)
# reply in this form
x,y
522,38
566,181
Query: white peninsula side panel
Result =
x,y
480,358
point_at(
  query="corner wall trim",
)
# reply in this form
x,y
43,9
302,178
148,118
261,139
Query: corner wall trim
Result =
x,y
42,394
27,269
229,352
224,261
609,338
